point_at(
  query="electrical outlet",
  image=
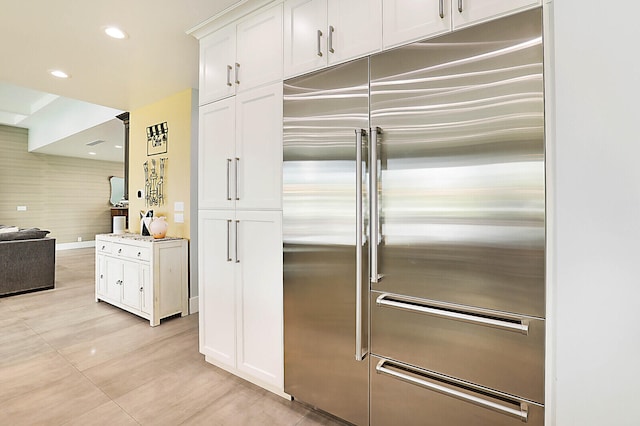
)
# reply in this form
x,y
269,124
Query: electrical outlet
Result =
x,y
79,239
22,208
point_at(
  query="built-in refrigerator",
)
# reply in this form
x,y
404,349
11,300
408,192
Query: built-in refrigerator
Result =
x,y
414,231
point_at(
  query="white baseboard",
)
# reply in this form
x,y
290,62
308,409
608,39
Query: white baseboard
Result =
x,y
193,305
71,246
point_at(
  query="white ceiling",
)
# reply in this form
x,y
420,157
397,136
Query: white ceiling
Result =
x,y
157,60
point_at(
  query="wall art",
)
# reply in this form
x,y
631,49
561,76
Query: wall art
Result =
x,y
154,181
157,138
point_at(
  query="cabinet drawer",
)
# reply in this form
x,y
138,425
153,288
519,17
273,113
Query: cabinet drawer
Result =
x,y
132,252
103,247
405,395
496,350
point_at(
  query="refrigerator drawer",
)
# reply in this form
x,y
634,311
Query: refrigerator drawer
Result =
x,y
498,350
405,395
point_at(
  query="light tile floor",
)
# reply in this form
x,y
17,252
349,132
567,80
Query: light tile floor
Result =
x,y
67,360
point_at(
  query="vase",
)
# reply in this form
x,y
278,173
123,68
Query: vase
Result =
x,y
158,227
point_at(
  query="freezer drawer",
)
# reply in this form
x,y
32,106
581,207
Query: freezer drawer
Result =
x,y
405,395
500,351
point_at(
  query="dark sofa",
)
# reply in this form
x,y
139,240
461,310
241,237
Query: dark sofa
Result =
x,y
27,261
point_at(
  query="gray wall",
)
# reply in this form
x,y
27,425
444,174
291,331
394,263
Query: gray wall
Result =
x,y
68,196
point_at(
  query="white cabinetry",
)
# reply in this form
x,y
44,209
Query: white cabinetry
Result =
x,y
318,33
408,20
241,56
240,159
467,12
141,275
241,296
240,201
405,21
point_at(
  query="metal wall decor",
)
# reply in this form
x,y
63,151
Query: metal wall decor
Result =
x,y
157,138
154,182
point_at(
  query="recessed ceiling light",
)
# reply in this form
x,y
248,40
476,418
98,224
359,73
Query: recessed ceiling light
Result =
x,y
115,32
92,153
59,74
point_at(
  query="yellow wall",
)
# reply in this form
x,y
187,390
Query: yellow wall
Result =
x,y
176,110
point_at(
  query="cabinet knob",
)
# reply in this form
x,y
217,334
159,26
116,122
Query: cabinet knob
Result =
x,y
119,251
139,254
101,276
103,247
141,289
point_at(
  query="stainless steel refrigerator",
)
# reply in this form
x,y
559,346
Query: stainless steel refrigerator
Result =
x,y
414,231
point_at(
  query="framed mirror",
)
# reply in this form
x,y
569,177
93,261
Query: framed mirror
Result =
x,y
117,190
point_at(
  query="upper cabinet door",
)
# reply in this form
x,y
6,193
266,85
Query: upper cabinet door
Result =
x,y
216,156
467,12
410,20
217,63
259,49
355,29
259,148
305,38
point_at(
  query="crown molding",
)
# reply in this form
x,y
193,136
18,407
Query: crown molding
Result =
x,y
229,15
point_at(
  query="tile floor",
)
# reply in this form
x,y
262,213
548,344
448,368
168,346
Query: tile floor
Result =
x,y
67,360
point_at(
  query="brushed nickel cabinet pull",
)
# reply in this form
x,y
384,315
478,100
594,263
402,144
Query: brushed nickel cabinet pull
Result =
x,y
229,75
331,31
319,53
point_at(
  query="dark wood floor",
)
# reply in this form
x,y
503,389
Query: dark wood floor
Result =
x,y
67,360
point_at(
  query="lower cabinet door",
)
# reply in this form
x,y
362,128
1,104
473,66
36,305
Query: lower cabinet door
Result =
x,y
146,300
217,294
101,273
114,279
259,293
131,284
405,395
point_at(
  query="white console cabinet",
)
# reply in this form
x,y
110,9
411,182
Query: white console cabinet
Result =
x,y
141,275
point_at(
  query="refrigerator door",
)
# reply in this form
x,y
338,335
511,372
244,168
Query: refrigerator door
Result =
x,y
461,157
325,295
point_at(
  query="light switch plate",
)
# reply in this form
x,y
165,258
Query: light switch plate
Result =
x,y
178,206
178,218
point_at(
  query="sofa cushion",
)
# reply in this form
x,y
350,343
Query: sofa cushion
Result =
x,y
24,234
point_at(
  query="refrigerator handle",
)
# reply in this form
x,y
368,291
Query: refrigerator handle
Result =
x,y
360,352
521,412
374,219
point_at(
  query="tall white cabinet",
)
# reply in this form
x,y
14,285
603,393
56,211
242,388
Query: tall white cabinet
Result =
x,y
240,198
